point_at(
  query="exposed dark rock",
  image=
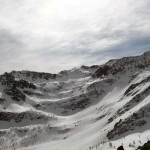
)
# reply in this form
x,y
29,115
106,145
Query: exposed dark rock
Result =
x,y
134,101
133,86
102,71
137,119
90,67
120,148
146,146
24,84
15,94
13,87
7,79
18,117
126,64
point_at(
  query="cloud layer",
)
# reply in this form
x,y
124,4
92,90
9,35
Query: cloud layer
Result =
x,y
54,35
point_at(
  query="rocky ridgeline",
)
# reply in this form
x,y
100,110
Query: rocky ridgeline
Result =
x,y
90,67
33,75
37,76
124,65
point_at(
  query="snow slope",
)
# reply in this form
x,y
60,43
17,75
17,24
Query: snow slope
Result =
x,y
86,108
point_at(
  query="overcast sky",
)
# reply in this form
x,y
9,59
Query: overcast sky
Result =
x,y
53,35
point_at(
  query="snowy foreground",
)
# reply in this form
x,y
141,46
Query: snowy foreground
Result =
x,y
87,108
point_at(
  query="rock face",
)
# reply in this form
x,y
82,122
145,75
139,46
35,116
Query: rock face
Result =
x,y
137,119
120,148
102,71
106,104
146,146
13,87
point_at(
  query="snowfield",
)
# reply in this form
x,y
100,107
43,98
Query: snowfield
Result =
x,y
86,108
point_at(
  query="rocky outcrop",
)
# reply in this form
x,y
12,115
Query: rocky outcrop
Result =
x,y
133,86
9,80
146,146
134,101
15,94
137,119
120,148
90,67
13,87
126,64
22,116
102,71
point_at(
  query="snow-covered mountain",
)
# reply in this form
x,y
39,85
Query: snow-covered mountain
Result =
x,y
86,108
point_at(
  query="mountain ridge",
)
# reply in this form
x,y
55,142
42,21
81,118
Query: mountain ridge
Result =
x,y
107,105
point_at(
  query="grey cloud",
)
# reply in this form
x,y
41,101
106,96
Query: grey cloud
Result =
x,y
10,45
33,43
